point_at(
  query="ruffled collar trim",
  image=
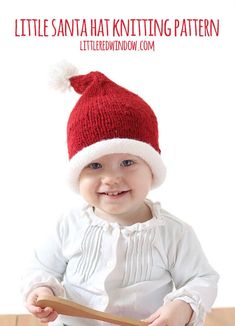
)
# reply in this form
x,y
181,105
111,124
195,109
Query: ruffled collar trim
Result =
x,y
156,220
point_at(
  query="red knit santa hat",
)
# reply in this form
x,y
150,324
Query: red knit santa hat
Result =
x,y
108,119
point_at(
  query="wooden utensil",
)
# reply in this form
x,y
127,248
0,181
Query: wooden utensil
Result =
x,y
70,308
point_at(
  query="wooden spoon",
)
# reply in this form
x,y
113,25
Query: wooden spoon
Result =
x,y
70,308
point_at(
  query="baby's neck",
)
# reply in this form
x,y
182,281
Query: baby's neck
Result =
x,y
139,215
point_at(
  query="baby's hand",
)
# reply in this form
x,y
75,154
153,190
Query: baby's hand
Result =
x,y
175,313
44,314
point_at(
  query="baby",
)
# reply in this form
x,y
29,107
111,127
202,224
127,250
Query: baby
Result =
x,y
120,252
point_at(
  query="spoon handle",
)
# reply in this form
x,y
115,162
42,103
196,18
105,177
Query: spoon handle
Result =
x,y
70,308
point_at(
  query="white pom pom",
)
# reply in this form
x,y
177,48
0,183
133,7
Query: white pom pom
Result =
x,y
60,76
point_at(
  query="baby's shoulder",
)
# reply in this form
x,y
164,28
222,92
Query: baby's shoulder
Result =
x,y
73,218
172,226
171,220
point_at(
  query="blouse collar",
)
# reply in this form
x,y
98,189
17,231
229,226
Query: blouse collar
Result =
x,y
157,219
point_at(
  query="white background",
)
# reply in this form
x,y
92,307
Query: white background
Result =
x,y
189,82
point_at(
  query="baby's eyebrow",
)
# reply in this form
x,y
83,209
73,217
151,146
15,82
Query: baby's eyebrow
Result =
x,y
95,161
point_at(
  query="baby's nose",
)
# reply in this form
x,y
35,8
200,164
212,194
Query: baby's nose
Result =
x,y
111,178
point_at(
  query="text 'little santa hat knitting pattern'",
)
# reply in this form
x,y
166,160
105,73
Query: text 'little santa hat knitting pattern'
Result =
x,y
107,119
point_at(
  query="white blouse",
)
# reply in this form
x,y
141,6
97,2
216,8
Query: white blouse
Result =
x,y
125,270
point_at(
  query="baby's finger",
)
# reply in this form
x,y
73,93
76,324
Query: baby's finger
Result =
x,y
151,318
158,322
44,313
33,309
53,315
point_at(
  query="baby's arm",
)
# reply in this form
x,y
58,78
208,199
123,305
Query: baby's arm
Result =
x,y
45,315
175,313
44,275
195,280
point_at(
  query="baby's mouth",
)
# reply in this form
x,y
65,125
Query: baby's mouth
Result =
x,y
114,193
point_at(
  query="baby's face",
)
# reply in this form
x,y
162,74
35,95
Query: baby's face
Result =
x,y
116,185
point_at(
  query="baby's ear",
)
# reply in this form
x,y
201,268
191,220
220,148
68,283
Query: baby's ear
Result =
x,y
152,181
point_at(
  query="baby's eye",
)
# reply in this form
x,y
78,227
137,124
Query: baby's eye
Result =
x,y
94,166
127,162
